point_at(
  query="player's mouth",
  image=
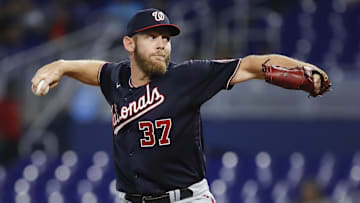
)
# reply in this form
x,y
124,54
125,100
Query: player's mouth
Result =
x,y
159,57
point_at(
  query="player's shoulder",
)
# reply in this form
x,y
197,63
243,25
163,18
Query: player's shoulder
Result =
x,y
123,64
118,71
188,63
120,67
188,67
195,62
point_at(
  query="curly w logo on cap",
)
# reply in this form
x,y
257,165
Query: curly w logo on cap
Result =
x,y
158,15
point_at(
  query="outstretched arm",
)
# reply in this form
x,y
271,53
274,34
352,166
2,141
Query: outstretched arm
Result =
x,y
279,70
85,71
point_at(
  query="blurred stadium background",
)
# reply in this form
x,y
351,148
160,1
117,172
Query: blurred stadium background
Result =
x,y
263,143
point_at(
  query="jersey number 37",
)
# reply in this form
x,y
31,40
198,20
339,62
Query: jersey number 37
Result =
x,y
148,128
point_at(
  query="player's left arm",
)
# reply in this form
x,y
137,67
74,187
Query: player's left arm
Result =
x,y
283,71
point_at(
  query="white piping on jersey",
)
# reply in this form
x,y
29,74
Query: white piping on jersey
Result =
x,y
135,109
233,75
99,72
130,83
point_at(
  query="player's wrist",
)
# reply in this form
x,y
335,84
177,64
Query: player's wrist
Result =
x,y
62,67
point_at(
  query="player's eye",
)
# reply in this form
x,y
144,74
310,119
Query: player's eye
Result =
x,y
151,36
167,38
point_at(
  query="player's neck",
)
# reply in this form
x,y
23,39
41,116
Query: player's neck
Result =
x,y
138,77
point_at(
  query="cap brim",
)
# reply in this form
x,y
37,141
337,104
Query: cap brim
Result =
x,y
174,29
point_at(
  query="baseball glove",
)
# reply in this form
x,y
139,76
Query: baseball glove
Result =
x,y
298,78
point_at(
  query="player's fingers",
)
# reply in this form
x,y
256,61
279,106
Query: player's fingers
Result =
x,y
323,74
317,83
42,74
35,80
40,83
42,88
33,87
54,84
34,83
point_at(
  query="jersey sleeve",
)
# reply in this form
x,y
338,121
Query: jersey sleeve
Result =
x,y
208,77
108,76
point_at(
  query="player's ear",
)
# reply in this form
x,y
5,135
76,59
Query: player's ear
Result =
x,y
129,44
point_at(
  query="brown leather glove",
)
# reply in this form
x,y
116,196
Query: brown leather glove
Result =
x,y
297,78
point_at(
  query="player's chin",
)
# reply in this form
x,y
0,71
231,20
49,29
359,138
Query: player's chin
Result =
x,y
161,70
159,65
158,70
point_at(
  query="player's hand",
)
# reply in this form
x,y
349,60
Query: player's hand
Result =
x,y
319,79
317,83
47,77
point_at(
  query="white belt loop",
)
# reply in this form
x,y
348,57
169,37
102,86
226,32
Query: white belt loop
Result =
x,y
177,195
172,196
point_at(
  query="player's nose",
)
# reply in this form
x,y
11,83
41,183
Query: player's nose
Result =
x,y
160,42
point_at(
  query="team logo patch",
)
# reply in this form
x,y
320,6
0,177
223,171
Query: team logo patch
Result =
x,y
158,16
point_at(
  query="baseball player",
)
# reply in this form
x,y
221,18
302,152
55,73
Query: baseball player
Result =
x,y
158,137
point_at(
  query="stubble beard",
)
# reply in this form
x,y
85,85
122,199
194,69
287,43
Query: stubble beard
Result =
x,y
150,67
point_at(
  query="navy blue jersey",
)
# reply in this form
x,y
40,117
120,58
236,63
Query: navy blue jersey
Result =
x,y
158,138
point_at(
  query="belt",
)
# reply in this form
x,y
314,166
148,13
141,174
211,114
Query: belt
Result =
x,y
163,198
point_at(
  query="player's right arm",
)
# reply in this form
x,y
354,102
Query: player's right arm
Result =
x,y
85,71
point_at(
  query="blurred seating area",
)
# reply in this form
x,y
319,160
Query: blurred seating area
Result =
x,y
324,32
296,178
66,178
26,24
233,178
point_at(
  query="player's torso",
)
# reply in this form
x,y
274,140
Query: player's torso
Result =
x,y
157,138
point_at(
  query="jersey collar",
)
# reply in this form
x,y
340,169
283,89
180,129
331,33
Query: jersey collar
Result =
x,y
130,83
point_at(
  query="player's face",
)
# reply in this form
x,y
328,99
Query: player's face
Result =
x,y
152,51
